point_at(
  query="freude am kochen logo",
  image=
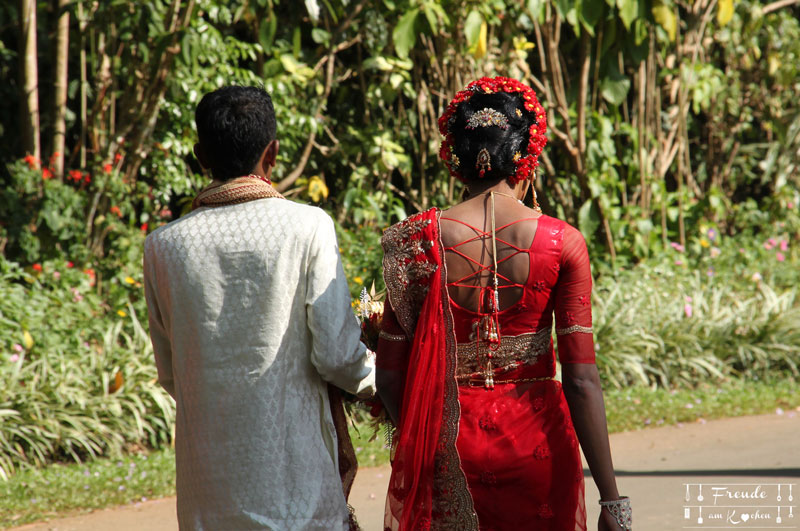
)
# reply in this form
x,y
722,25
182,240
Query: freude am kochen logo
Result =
x,y
740,505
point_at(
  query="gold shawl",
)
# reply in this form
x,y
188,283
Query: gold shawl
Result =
x,y
238,190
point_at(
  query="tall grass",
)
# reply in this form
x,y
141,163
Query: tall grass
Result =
x,y
669,327
79,383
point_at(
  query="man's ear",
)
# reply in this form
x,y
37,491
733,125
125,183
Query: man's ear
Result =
x,y
270,156
200,155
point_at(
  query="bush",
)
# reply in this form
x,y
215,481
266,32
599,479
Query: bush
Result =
x,y
77,377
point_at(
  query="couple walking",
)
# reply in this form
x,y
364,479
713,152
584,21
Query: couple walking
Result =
x,y
254,336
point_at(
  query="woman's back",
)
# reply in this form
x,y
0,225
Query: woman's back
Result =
x,y
469,257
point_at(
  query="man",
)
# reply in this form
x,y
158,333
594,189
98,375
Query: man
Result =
x,y
250,317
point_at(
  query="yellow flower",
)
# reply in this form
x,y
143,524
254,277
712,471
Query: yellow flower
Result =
x,y
129,280
122,313
358,280
704,243
27,339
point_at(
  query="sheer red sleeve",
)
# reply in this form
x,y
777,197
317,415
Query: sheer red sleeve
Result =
x,y
573,308
393,345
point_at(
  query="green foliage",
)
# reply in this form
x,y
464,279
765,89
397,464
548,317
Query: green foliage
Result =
x,y
77,373
721,307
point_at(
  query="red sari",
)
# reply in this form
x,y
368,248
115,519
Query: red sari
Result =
x,y
468,457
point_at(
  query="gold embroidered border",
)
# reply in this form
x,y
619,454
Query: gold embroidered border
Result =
x,y
391,337
404,274
513,352
453,507
574,328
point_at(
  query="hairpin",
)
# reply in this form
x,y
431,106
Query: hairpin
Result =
x,y
487,117
519,112
484,162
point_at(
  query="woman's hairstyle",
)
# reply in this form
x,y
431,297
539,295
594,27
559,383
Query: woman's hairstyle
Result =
x,y
235,124
493,129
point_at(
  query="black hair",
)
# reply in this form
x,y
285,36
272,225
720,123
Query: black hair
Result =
x,y
235,124
501,143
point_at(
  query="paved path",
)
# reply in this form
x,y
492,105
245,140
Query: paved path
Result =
x,y
654,467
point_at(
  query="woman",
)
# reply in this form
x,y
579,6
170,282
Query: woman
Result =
x,y
486,437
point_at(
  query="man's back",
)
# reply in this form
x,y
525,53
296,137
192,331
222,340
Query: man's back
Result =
x,y
246,318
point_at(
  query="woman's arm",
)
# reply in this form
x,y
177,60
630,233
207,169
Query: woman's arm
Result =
x,y
586,406
392,363
580,378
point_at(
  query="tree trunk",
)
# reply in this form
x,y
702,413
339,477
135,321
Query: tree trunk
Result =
x,y
30,80
60,85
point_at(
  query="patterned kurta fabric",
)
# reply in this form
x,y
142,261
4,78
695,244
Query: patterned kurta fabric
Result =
x,y
250,316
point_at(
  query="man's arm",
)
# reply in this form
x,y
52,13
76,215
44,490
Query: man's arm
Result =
x,y
162,347
337,352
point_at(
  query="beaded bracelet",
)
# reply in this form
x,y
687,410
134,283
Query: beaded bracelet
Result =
x,y
621,511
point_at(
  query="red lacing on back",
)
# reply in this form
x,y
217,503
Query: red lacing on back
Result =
x,y
481,268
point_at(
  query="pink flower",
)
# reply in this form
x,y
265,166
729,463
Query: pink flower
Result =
x,y
769,244
678,263
17,347
790,204
678,247
715,252
780,257
56,275
14,358
784,245
687,299
687,309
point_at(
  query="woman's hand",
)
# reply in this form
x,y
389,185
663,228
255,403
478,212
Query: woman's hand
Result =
x,y
607,522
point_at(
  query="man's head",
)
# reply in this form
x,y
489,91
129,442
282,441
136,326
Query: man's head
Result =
x,y
236,130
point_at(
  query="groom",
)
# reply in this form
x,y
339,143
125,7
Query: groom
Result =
x,y
250,318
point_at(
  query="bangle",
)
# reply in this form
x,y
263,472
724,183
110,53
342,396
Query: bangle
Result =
x,y
621,511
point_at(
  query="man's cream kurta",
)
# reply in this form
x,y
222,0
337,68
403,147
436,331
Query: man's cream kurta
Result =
x,y
250,316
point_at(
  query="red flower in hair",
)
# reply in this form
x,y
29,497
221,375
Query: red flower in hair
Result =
x,y
525,165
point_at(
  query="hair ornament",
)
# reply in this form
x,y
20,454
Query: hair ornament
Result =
x,y
529,158
484,162
517,156
454,160
487,117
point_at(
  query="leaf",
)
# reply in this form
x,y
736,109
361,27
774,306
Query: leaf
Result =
x,y
472,28
724,12
588,219
266,32
114,386
536,9
614,88
320,36
628,10
480,49
317,189
591,13
665,17
313,9
405,33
